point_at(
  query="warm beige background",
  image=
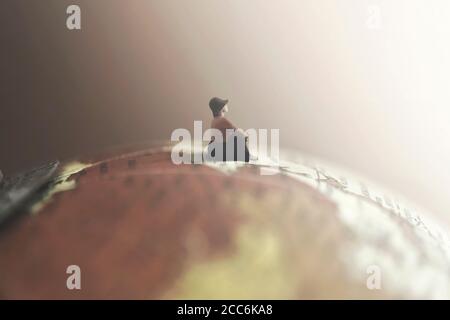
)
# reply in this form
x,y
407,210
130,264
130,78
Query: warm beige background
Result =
x,y
376,101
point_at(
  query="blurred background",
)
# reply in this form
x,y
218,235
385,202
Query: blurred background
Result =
x,y
364,84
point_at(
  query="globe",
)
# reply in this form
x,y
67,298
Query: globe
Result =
x,y
137,226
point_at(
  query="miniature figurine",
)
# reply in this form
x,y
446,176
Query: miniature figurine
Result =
x,y
219,107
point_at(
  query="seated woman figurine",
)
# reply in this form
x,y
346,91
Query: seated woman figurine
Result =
x,y
219,107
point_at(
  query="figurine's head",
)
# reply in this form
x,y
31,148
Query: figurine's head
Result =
x,y
218,106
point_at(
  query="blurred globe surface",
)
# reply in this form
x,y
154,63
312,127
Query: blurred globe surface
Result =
x,y
141,227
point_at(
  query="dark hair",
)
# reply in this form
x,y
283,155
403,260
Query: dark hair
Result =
x,y
216,105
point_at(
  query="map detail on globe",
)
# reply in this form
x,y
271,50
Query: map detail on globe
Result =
x,y
139,226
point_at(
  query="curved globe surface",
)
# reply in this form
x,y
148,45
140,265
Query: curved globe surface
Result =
x,y
139,226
